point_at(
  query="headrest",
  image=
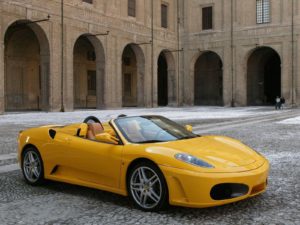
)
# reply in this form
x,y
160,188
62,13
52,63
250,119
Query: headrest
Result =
x,y
96,128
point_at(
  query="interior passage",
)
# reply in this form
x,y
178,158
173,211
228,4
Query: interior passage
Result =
x,y
162,80
263,77
26,69
129,71
208,89
85,84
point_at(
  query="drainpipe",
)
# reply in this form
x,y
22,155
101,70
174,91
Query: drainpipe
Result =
x,y
293,55
232,56
62,109
178,53
152,51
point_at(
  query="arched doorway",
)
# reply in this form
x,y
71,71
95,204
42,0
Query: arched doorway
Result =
x,y
208,80
162,80
27,60
89,69
133,69
166,80
263,76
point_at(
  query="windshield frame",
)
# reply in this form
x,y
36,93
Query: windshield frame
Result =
x,y
176,126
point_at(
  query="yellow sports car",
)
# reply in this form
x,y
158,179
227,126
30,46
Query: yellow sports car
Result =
x,y
152,159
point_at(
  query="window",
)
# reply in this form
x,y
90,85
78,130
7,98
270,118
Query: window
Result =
x,y
131,8
207,20
164,15
88,1
262,11
91,81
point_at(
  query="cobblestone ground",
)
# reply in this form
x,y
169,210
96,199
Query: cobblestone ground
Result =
x,y
57,203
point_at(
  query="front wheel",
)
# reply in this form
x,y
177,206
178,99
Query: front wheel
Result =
x,y
147,187
32,166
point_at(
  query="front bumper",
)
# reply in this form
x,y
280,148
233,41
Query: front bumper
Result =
x,y
192,189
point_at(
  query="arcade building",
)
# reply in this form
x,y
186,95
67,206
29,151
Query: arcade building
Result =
x,y
62,55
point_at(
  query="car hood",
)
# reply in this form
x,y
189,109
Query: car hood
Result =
x,y
225,154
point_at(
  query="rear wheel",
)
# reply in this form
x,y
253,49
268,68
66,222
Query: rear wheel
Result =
x,y
32,166
147,187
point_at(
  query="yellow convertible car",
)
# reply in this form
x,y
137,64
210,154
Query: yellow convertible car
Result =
x,y
152,159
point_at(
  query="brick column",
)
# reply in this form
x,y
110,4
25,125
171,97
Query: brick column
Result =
x,y
55,69
113,75
68,71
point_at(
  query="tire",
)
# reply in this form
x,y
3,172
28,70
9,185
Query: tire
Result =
x,y
147,187
32,166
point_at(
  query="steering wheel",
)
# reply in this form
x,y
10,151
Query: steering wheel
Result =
x,y
92,118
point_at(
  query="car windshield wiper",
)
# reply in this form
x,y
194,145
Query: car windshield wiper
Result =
x,y
149,141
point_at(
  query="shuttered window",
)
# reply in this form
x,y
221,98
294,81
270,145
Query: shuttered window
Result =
x,y
131,8
207,20
88,1
262,11
164,15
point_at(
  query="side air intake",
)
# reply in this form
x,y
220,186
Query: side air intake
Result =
x,y
52,133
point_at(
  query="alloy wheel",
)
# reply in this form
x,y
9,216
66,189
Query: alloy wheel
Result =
x,y
32,166
146,187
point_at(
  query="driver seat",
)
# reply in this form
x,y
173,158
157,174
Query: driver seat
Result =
x,y
93,130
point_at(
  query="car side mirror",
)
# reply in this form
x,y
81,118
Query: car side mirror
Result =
x,y
189,128
107,138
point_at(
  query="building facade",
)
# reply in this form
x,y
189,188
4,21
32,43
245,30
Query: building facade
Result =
x,y
249,52
74,54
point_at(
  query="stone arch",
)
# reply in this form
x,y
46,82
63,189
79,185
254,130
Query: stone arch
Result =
x,y
89,72
166,79
208,79
133,76
27,67
263,76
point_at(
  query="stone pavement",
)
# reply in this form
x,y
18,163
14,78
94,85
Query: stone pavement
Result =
x,y
58,203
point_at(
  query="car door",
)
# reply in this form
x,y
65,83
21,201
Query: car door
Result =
x,y
89,161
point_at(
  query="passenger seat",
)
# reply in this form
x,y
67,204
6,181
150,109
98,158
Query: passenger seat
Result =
x,y
93,130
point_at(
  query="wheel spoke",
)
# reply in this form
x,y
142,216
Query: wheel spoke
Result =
x,y
143,174
139,196
36,172
136,184
136,189
31,158
153,180
30,174
26,159
154,196
143,199
26,170
37,163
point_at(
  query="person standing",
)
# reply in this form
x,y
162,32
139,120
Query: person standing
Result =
x,y
277,103
282,102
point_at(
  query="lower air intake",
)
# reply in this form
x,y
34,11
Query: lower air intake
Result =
x,y
228,191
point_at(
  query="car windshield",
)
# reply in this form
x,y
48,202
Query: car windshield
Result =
x,y
151,129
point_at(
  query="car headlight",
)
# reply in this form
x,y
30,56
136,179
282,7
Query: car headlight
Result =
x,y
192,160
